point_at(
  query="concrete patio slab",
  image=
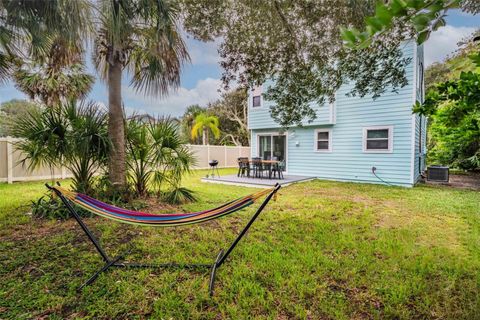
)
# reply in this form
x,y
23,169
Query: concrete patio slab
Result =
x,y
255,182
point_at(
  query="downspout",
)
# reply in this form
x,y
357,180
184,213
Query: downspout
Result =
x,y
420,146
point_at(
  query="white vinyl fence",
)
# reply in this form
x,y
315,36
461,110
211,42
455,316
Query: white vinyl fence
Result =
x,y
12,170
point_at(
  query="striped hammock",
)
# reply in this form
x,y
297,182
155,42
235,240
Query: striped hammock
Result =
x,y
105,210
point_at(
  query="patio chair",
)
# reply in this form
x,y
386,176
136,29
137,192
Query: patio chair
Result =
x,y
278,169
243,167
270,167
258,167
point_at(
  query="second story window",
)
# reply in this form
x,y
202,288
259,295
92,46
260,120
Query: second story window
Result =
x,y
257,101
257,96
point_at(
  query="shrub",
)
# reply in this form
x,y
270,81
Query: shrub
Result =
x,y
158,158
178,195
70,135
51,207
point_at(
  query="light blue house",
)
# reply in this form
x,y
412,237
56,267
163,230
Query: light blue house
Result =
x,y
352,136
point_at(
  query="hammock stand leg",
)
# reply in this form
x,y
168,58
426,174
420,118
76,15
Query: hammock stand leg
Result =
x,y
115,262
94,277
221,256
213,273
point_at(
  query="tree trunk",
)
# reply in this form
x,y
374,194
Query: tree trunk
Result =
x,y
116,127
204,136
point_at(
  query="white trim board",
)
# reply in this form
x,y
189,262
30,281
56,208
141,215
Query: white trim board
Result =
x,y
412,130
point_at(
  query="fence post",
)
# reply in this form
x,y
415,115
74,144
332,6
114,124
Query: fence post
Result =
x,y
226,156
9,160
208,154
63,173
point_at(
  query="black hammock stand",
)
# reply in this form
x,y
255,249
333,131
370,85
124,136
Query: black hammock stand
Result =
x,y
103,209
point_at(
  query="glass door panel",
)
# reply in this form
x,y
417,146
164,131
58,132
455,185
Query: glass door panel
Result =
x,y
265,147
279,149
273,147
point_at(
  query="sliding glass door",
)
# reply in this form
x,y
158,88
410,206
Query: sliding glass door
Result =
x,y
265,147
272,147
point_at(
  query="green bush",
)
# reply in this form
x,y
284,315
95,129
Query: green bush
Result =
x,y
158,159
454,110
51,207
178,195
70,135
458,144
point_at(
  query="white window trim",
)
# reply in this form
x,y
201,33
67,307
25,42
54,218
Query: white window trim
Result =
x,y
390,139
315,140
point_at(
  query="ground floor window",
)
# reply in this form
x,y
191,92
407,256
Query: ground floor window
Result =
x,y
378,139
323,140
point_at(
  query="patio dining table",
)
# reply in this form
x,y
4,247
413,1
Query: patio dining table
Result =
x,y
270,163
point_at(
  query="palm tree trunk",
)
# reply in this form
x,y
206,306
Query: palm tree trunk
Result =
x,y
116,127
204,137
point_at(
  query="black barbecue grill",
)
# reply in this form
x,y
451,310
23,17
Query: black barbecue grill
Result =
x,y
213,167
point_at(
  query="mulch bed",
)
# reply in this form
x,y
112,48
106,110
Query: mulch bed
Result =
x,y
464,181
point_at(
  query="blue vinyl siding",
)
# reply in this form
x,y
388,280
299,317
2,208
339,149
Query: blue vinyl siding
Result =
x,y
347,161
259,117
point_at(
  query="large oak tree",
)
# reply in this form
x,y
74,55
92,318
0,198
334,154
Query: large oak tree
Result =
x,y
299,45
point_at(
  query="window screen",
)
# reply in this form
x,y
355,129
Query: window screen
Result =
x,y
377,139
323,140
256,101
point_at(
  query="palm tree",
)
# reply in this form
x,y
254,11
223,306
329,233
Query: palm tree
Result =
x,y
31,29
205,123
70,135
141,36
188,120
158,156
53,83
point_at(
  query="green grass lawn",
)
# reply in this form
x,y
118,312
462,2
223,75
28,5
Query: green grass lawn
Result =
x,y
322,250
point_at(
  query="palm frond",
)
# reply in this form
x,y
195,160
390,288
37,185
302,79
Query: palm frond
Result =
x,y
196,129
204,121
156,60
179,195
71,135
215,130
5,67
144,37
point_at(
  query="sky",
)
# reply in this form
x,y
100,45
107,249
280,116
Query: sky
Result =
x,y
200,80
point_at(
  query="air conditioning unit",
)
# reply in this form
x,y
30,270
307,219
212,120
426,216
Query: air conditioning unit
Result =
x,y
438,174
